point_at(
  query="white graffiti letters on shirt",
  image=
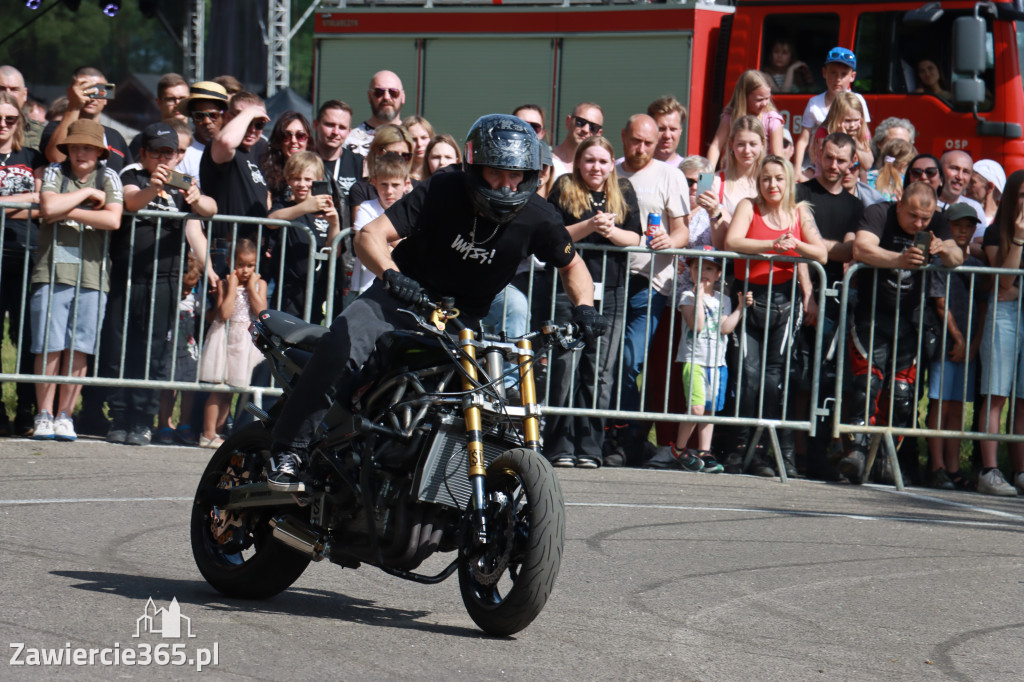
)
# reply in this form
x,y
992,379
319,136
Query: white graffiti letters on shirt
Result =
x,y
469,251
257,174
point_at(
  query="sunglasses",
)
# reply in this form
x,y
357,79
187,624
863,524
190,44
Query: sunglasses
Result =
x,y
537,127
299,136
11,121
931,172
581,122
692,182
380,92
200,116
258,124
405,155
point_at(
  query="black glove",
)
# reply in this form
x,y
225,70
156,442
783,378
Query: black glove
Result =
x,y
592,324
403,288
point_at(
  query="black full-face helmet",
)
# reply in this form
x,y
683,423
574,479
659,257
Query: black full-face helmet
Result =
x,y
507,143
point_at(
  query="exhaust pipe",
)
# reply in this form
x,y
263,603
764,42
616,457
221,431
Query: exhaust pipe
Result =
x,y
300,537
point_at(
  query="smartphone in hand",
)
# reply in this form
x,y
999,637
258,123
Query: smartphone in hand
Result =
x,y
704,181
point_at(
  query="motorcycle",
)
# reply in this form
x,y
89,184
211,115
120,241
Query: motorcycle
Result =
x,y
431,456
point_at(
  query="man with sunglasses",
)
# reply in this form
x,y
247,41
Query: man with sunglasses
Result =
x,y
230,170
586,120
386,98
204,107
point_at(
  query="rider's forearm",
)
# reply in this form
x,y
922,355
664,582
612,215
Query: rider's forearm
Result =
x,y
371,246
577,282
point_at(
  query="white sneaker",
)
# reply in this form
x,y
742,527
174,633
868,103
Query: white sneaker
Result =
x,y
993,483
43,426
64,428
1018,482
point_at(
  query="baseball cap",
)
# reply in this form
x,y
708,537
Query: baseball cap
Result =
x,y
840,55
85,131
961,210
204,90
991,171
158,136
707,256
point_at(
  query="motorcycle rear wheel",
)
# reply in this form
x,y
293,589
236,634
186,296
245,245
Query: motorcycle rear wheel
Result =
x,y
506,582
235,551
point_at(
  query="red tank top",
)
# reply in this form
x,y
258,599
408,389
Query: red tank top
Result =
x,y
760,270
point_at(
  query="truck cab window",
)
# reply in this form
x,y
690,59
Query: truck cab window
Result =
x,y
793,50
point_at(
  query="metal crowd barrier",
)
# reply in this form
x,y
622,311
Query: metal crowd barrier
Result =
x,y
219,251
928,334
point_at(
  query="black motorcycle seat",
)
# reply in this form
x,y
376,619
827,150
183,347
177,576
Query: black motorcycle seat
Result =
x,y
293,331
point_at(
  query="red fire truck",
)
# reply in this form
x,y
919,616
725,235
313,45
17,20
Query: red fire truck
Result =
x,y
462,58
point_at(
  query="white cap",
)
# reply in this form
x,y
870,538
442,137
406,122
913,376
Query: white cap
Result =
x,y
991,171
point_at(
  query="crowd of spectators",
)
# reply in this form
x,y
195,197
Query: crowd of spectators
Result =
x,y
837,195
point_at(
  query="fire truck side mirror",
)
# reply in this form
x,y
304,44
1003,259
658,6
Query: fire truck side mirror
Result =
x,y
969,46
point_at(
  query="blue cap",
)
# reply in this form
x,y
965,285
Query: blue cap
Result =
x,y
840,55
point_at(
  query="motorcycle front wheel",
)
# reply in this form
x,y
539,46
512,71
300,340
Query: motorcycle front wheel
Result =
x,y
506,581
234,550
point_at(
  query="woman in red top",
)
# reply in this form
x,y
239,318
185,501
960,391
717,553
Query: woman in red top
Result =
x,y
772,223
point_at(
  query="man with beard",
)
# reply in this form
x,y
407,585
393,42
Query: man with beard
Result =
x,y
386,99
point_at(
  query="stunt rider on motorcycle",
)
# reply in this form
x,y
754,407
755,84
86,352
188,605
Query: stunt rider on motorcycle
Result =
x,y
463,235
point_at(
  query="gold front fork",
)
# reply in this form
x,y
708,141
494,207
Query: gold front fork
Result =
x,y
474,438
528,389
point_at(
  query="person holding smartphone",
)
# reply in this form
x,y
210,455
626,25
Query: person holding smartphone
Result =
x,y
895,239
86,100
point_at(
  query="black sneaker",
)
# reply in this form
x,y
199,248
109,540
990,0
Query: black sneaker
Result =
x,y
118,434
283,473
139,435
940,480
24,423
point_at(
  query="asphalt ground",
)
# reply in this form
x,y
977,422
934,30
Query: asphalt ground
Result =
x,y
666,576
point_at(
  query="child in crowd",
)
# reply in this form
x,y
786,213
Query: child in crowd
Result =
x,y
947,388
185,354
229,355
390,177
709,318
752,96
79,198
840,71
318,213
846,115
788,73
888,179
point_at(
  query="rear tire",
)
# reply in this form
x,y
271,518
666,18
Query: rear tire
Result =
x,y
235,551
506,582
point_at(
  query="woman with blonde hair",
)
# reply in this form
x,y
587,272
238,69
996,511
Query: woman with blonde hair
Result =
x,y
422,133
896,157
744,151
771,223
599,209
752,96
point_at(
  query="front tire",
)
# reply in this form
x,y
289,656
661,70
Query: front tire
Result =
x,y
234,550
506,582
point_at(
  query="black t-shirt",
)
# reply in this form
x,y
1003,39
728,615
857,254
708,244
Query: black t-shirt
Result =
x,y
958,299
436,219
900,288
238,187
296,243
615,271
16,178
834,214
162,242
345,171
119,157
